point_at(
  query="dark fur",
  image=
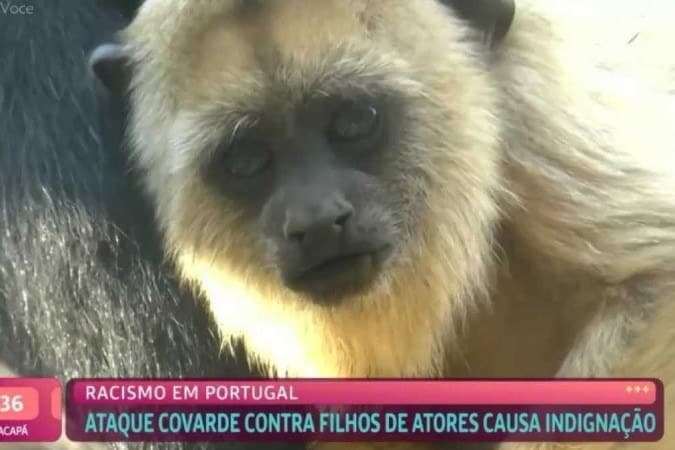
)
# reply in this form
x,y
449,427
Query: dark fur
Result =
x,y
82,289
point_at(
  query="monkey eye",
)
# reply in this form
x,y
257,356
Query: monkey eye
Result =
x,y
353,121
247,158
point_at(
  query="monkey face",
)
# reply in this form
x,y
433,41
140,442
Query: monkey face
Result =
x,y
316,188
311,148
312,186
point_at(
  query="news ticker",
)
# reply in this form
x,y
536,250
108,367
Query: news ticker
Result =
x,y
332,410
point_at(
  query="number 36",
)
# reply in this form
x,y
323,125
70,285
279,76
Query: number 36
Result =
x,y
13,403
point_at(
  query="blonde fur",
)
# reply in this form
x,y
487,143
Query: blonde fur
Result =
x,y
545,236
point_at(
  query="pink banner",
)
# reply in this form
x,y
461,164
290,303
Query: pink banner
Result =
x,y
30,410
363,392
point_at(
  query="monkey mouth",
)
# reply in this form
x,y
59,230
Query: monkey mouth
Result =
x,y
338,277
335,266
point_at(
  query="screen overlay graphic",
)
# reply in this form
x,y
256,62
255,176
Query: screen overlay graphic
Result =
x,y
364,410
30,410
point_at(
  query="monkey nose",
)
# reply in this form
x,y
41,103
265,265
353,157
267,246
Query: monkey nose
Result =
x,y
308,225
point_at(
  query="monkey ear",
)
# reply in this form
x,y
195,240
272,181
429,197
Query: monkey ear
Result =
x,y
492,17
110,63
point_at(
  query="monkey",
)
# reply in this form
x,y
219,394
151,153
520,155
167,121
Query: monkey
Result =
x,y
416,188
310,301
83,288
